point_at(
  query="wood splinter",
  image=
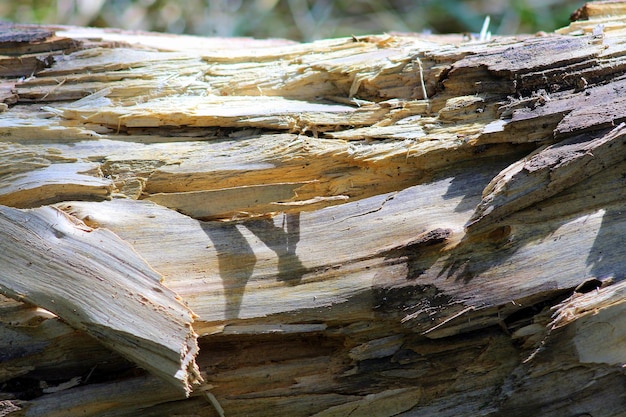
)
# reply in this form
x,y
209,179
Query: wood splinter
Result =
x,y
546,172
97,283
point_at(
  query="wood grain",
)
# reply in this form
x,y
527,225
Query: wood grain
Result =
x,y
385,225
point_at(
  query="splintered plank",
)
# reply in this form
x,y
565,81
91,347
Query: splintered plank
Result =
x,y
228,201
207,111
598,9
32,337
272,267
33,176
548,171
587,315
54,183
26,49
256,268
97,283
374,67
127,397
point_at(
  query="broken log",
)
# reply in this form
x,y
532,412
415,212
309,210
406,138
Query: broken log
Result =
x,y
388,225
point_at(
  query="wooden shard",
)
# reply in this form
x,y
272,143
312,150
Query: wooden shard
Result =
x,y
547,172
48,260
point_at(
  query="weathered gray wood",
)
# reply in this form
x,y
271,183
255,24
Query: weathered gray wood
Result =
x,y
49,260
548,171
384,225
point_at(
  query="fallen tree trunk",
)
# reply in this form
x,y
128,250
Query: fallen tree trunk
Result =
x,y
383,225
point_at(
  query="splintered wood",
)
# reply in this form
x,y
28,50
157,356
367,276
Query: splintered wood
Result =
x,y
383,225
56,262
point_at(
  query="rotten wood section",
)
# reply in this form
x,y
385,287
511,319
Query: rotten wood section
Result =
x,y
384,225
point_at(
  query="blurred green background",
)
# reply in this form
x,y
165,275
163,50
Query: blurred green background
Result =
x,y
302,20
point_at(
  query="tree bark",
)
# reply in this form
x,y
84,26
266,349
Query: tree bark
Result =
x,y
389,225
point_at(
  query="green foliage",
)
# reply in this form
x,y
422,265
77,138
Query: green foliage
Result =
x,y
297,19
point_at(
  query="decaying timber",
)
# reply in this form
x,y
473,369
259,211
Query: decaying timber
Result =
x,y
384,225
